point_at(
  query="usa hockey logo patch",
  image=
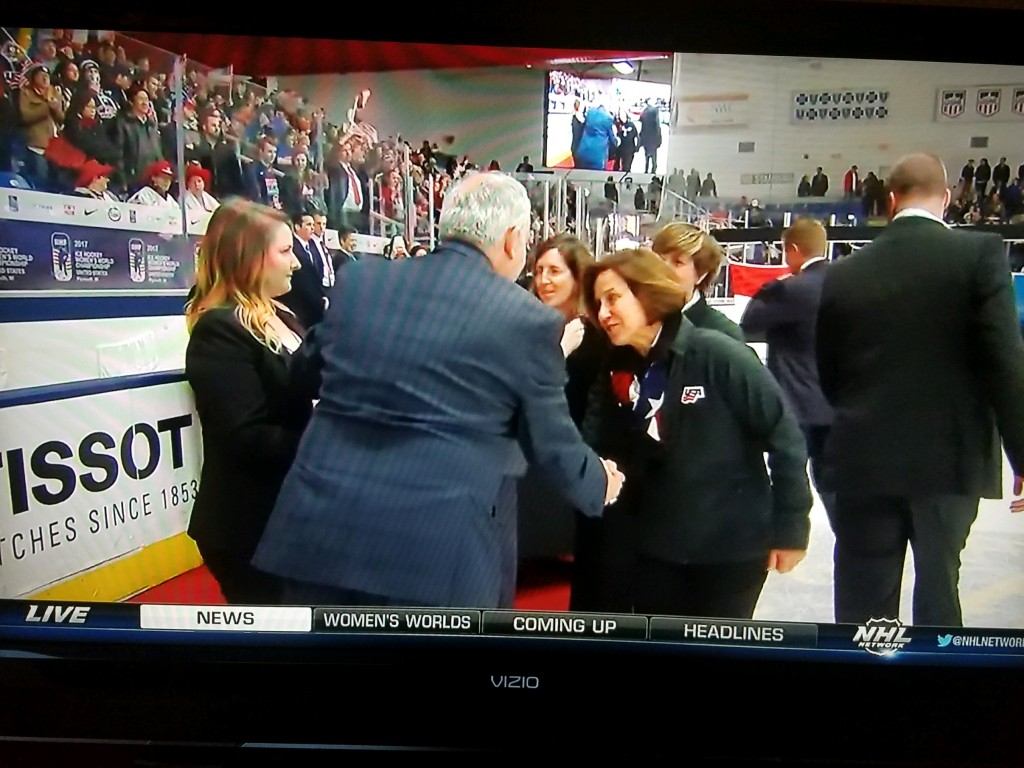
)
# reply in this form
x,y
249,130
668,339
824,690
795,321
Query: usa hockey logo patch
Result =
x,y
692,395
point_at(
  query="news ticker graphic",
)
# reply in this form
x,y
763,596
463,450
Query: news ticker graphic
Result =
x,y
881,637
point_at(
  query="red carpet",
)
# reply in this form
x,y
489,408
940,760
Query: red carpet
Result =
x,y
543,586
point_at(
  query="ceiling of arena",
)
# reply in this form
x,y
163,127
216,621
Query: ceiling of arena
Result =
x,y
257,56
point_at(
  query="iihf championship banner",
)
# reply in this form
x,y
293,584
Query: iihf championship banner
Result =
x,y
747,279
840,106
73,244
980,104
89,479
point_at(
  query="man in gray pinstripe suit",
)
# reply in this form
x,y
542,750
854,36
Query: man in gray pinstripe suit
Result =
x,y
435,377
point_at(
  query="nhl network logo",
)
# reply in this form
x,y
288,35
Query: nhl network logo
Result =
x,y
882,637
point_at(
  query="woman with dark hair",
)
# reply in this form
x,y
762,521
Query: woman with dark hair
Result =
x,y
84,130
689,415
66,77
241,340
558,266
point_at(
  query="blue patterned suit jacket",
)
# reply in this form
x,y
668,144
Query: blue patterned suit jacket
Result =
x,y
436,377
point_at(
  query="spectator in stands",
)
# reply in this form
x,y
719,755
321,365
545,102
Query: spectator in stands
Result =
x,y
263,179
804,187
692,185
396,248
708,188
819,184
83,129
686,539
41,110
138,140
611,190
1013,205
160,106
494,166
65,77
967,174
345,193
117,84
106,108
982,176
578,120
695,258
93,181
157,191
1000,174
197,199
240,343
46,54
219,156
851,183
755,214
639,199
302,188
308,295
873,195
347,252
524,167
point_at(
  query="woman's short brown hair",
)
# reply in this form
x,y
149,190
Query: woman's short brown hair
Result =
x,y
574,252
651,280
678,241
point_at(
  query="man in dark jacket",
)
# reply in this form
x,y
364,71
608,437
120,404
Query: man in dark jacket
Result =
x,y
783,314
137,139
920,354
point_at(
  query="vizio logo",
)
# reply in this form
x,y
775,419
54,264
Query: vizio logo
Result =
x,y
515,681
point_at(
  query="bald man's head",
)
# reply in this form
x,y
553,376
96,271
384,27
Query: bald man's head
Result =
x,y
919,181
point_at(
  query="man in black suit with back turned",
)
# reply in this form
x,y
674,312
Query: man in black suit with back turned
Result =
x,y
920,354
784,314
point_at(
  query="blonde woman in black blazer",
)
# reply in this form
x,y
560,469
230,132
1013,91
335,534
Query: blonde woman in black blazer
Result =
x,y
241,340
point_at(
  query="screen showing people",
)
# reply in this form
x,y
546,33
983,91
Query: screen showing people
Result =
x,y
609,124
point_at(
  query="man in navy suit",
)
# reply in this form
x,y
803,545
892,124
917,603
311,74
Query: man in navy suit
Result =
x,y
784,314
307,298
434,376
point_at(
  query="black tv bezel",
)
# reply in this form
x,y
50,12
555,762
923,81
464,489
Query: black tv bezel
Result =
x,y
596,699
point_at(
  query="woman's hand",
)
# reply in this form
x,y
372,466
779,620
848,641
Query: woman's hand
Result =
x,y
572,336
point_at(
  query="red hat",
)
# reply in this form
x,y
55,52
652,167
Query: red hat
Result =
x,y
92,170
193,170
160,167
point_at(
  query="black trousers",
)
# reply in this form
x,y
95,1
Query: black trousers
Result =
x,y
816,435
239,582
872,534
713,590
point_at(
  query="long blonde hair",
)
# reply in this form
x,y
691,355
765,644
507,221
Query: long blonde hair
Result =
x,y
229,271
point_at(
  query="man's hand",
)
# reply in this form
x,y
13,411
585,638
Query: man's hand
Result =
x,y
1017,505
572,336
615,479
785,560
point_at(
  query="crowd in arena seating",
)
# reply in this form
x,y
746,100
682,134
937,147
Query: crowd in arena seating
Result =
x,y
80,118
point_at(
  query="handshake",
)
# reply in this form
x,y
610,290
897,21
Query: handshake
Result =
x,y
615,479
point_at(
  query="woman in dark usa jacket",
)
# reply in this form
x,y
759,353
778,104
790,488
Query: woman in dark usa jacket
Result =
x,y
241,340
689,414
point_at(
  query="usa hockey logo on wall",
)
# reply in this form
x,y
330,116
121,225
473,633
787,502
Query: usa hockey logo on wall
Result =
x,y
953,103
1018,101
845,105
988,102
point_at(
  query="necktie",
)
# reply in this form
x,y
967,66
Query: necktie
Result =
x,y
354,185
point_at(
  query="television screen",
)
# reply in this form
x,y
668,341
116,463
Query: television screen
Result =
x,y
125,617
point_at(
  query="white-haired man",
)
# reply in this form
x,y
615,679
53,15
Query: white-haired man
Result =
x,y
435,376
